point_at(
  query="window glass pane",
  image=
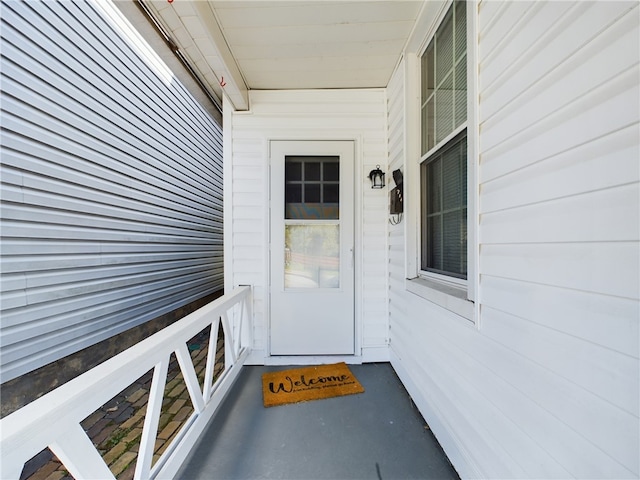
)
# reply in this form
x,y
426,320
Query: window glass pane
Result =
x,y
452,238
451,180
311,171
292,171
312,256
462,158
428,98
312,211
434,242
461,29
331,171
434,186
331,193
444,109
425,124
463,179
460,93
427,73
444,48
463,235
428,125
293,193
311,193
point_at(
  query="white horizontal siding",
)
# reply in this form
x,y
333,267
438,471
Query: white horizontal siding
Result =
x,y
111,184
357,115
548,385
396,147
550,96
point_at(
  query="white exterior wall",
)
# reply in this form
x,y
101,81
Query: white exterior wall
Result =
x,y
358,115
545,383
111,183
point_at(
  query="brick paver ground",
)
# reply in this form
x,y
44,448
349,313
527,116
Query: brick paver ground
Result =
x,y
116,427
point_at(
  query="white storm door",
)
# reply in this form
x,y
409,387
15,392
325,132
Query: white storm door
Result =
x,y
312,232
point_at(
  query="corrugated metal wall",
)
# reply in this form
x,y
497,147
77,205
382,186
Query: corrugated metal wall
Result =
x,y
111,183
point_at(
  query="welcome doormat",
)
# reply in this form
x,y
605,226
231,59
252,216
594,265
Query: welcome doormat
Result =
x,y
308,383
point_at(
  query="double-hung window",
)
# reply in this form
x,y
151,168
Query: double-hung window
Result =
x,y
443,163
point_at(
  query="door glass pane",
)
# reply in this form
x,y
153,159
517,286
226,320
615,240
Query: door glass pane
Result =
x,y
311,171
331,170
293,171
312,193
312,256
331,193
293,193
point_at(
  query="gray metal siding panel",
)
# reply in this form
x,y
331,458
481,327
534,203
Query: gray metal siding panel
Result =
x,y
111,185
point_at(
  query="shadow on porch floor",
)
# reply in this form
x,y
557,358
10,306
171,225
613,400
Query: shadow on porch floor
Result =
x,y
377,434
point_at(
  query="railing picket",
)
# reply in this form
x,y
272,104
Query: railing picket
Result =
x,y
229,353
238,337
246,335
151,420
190,377
211,359
79,456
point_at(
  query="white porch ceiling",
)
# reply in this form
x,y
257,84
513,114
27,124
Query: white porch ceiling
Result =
x,y
288,44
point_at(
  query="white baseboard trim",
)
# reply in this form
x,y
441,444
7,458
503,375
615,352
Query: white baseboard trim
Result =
x,y
375,354
369,355
256,357
312,359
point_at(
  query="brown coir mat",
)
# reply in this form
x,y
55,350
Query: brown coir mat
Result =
x,y
308,383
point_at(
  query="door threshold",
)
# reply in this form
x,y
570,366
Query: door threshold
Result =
x,y
312,359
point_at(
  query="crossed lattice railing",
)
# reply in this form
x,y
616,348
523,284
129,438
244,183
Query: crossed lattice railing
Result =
x,y
54,420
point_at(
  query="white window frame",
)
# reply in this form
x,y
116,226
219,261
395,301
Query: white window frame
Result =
x,y
454,294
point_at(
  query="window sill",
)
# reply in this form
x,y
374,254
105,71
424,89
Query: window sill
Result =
x,y
449,297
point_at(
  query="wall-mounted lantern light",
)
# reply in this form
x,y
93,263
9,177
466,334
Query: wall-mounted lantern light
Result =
x,y
377,177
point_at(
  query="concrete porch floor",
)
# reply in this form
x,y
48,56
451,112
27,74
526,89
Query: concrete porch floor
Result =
x,y
378,434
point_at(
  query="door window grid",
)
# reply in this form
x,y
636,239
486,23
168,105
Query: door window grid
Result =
x,y
312,188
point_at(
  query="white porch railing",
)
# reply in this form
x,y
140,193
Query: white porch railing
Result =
x,y
54,420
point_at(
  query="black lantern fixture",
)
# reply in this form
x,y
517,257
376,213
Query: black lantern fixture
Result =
x,y
377,177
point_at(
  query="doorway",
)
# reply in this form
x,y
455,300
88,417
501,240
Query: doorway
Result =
x,y
312,248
